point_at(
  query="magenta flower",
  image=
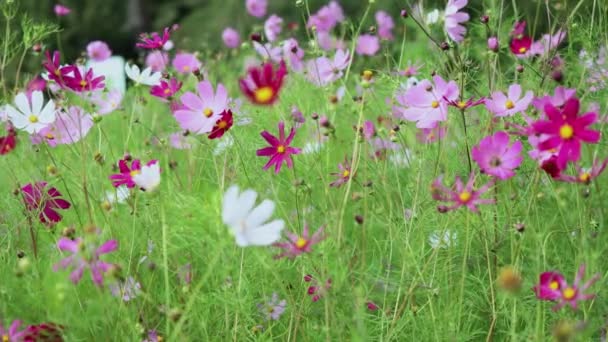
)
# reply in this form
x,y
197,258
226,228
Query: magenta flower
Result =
x,y
85,256
166,89
185,63
153,41
344,174
44,202
61,10
511,104
98,51
273,27
231,38
262,85
68,128
565,131
425,103
43,332
279,151
367,45
493,44
460,194
554,287
81,82
454,20
496,157
12,334
561,95
126,174
298,245
256,8
52,64
222,125
385,25
202,111
157,60
317,289
585,176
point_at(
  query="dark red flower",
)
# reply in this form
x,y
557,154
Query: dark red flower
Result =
x,y
47,332
44,202
520,42
52,64
262,85
222,125
8,142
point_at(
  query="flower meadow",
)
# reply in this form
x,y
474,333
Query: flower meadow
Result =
x,y
430,174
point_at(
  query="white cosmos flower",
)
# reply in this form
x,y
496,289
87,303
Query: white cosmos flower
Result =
x,y
432,17
145,77
118,195
31,118
148,178
443,239
248,223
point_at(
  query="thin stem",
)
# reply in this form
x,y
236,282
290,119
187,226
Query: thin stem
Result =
x,y
466,140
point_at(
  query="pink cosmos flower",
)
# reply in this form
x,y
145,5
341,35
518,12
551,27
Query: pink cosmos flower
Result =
x,y
326,18
493,44
279,151
98,51
222,125
429,135
126,172
425,103
344,174
554,287
323,71
585,176
203,110
269,52
12,334
68,128
52,64
82,80
293,54
157,61
273,27
44,202
496,157
367,45
153,41
454,19
85,256
61,10
543,46
385,25
565,131
9,141
179,141
328,42
185,63
262,85
166,89
106,103
231,38
511,104
460,194
368,130
256,8
520,43
298,245
561,95
36,84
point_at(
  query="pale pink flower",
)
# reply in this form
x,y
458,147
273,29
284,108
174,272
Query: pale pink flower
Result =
x,y
293,54
323,71
269,52
256,8
273,27
367,45
98,51
202,111
108,102
454,19
61,10
185,63
69,127
326,18
385,25
511,104
231,38
157,61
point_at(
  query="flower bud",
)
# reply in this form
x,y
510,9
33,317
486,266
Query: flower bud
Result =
x,y
484,19
493,44
404,13
444,46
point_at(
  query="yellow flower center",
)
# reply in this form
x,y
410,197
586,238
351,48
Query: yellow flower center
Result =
x,y
50,136
134,173
462,104
584,177
5,338
33,118
207,112
566,132
281,149
222,124
167,91
554,285
434,104
569,293
301,243
263,95
464,196
346,173
509,104
186,68
522,49
83,83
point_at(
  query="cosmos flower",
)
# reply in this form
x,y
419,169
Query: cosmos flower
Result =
x,y
262,85
559,98
317,289
323,71
201,112
98,51
367,45
273,27
222,125
157,60
69,127
511,104
520,43
385,25
31,118
185,63
279,151
153,41
585,176
269,52
126,290
273,309
460,194
85,255
9,141
44,201
79,79
344,174
496,157
107,102
425,103
12,334
126,172
145,77
52,65
61,10
166,89
248,223
454,20
554,287
148,178
231,38
326,18
293,54
565,131
256,8
297,245
50,332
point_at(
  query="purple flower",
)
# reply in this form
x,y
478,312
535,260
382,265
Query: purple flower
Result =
x,y
273,309
496,157
61,10
12,334
367,45
126,290
294,54
273,27
501,105
493,44
231,38
256,8
185,63
454,19
108,102
279,151
98,51
385,25
85,255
